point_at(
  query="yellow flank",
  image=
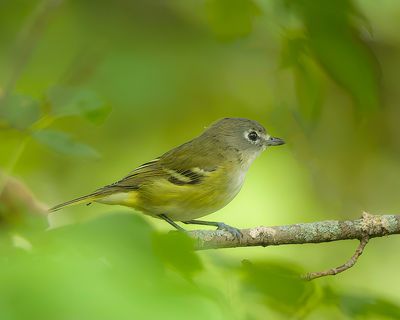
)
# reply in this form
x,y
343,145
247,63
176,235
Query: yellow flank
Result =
x,y
128,199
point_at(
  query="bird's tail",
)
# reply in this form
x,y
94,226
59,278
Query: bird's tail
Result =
x,y
84,199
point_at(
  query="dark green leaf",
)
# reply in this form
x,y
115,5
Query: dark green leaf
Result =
x,y
279,285
63,143
361,306
230,19
307,75
20,111
333,38
66,101
176,249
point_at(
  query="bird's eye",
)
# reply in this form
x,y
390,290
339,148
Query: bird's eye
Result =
x,y
253,136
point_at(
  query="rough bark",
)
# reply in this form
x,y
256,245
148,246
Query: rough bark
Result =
x,y
369,225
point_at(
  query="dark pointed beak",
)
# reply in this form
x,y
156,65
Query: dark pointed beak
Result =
x,y
273,141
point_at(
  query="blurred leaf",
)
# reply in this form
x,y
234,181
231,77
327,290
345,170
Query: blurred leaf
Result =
x,y
122,238
295,47
63,143
334,40
103,269
231,19
66,101
20,111
279,284
176,249
307,75
360,306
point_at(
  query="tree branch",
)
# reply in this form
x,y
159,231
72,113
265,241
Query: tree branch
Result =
x,y
369,226
315,232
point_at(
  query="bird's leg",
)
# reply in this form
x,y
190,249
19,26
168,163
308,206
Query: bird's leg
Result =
x,y
172,223
220,226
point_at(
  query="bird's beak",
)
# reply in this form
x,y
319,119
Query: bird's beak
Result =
x,y
273,141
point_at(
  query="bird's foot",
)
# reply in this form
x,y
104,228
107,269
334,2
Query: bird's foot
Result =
x,y
232,230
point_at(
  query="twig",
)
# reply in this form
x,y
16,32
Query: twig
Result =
x,y
331,272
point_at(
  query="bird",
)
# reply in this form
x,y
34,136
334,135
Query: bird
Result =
x,y
192,180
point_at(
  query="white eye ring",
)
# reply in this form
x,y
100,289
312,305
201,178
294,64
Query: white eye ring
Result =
x,y
252,136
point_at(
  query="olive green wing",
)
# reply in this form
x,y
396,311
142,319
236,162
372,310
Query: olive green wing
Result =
x,y
184,165
190,163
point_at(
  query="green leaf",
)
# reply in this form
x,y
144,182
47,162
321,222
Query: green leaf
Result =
x,y
63,143
230,19
307,76
20,111
361,306
66,101
279,285
176,250
333,39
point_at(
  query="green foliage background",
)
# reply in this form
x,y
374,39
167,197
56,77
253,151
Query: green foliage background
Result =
x,y
91,89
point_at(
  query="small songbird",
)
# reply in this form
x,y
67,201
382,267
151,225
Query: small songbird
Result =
x,y
193,180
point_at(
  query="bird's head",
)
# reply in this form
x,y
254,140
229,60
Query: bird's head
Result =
x,y
245,136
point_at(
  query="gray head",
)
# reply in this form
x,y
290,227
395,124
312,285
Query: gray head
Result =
x,y
246,136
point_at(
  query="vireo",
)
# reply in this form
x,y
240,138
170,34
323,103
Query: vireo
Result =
x,y
193,180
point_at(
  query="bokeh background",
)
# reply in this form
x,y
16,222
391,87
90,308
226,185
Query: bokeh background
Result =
x,y
91,89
